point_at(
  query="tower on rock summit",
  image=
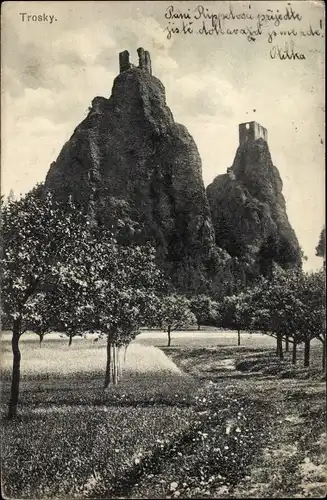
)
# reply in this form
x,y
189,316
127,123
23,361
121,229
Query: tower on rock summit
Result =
x,y
248,209
144,61
251,131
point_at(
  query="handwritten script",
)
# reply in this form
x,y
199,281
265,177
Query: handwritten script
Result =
x,y
281,28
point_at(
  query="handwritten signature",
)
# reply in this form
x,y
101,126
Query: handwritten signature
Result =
x,y
286,53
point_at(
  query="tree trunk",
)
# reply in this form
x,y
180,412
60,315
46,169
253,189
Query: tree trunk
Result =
x,y
287,348
119,363
294,352
277,344
199,326
70,340
306,353
41,339
125,353
323,359
15,379
107,378
279,350
169,336
114,365
238,337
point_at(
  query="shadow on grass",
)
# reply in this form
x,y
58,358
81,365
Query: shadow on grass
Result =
x,y
142,390
119,403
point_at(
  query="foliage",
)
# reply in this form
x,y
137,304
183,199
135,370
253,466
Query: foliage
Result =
x,y
109,287
274,302
292,304
236,311
53,250
117,293
310,316
116,215
35,233
321,247
174,313
38,314
122,287
205,310
266,255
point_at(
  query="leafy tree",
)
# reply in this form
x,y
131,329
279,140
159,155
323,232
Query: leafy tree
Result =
x,y
321,247
70,297
310,316
121,283
275,302
291,306
35,234
204,309
174,314
266,256
236,312
38,314
116,214
287,254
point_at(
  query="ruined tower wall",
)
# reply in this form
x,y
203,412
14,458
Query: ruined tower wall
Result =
x,y
148,62
252,131
144,61
124,63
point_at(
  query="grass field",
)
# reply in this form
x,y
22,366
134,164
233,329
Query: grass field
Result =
x,y
203,418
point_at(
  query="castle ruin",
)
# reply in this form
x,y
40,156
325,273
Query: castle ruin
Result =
x,y
251,131
144,61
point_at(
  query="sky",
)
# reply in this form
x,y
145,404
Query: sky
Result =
x,y
52,68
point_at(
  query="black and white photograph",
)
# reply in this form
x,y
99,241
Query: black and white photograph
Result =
x,y
162,264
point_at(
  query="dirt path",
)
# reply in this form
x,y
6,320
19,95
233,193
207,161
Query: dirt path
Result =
x,y
291,460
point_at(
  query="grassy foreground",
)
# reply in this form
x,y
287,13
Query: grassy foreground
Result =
x,y
232,422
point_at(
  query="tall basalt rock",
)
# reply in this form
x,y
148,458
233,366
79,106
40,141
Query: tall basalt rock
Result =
x,y
248,208
129,151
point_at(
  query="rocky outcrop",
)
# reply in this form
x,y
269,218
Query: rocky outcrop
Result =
x,y
133,168
248,208
129,152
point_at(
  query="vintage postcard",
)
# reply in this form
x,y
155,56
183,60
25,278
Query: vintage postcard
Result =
x,y
163,249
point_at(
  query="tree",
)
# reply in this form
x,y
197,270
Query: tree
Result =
x,y
204,309
120,283
266,256
311,314
35,234
236,312
70,297
275,303
174,313
38,315
321,247
291,306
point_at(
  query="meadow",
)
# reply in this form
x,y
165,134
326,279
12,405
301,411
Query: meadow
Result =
x,y
203,418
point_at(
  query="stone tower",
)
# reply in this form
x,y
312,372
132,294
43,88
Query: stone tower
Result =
x,y
251,131
144,61
124,63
